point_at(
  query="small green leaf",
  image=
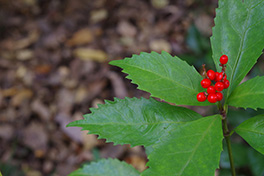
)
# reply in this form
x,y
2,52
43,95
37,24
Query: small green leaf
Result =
x,y
164,76
134,121
252,130
106,167
192,148
249,94
238,33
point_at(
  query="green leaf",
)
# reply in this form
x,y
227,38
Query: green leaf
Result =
x,y
249,94
193,148
106,167
134,121
164,76
252,130
238,33
256,162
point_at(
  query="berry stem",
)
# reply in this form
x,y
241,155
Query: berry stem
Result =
x,y
223,111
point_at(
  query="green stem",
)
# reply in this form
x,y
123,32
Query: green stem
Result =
x,y
227,137
228,143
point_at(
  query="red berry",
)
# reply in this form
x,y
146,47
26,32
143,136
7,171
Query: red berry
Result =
x,y
201,97
219,86
218,76
211,90
226,84
224,78
211,74
223,59
219,96
205,83
212,98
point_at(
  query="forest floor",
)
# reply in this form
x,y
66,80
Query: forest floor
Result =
x,y
54,66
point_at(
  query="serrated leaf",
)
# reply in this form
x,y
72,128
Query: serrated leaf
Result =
x,y
164,76
249,94
252,130
192,148
106,167
238,33
134,121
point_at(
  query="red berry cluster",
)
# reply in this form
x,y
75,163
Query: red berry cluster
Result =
x,y
213,93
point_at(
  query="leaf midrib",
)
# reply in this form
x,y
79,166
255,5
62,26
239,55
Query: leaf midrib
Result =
x,y
251,131
123,123
194,150
166,78
246,94
239,52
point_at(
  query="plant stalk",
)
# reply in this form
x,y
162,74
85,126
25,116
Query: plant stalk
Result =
x,y
227,138
228,143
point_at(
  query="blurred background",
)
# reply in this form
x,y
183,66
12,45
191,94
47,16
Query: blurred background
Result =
x,y
54,58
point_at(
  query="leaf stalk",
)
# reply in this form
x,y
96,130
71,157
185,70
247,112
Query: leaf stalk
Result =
x,y
227,135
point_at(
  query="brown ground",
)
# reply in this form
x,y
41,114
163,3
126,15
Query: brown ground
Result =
x,y
54,66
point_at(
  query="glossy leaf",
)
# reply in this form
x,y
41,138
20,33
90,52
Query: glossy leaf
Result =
x,y
134,121
249,94
252,130
164,76
238,33
106,167
192,148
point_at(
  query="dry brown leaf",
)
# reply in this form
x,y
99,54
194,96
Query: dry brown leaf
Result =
x,y
81,94
118,85
98,15
81,37
43,69
9,92
160,45
25,42
126,29
204,24
42,110
25,54
138,162
159,3
21,96
90,54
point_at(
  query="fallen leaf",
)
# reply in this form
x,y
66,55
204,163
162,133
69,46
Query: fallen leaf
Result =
x,y
126,29
137,161
90,54
73,132
159,3
43,69
160,45
24,55
21,96
98,15
42,110
118,85
81,37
